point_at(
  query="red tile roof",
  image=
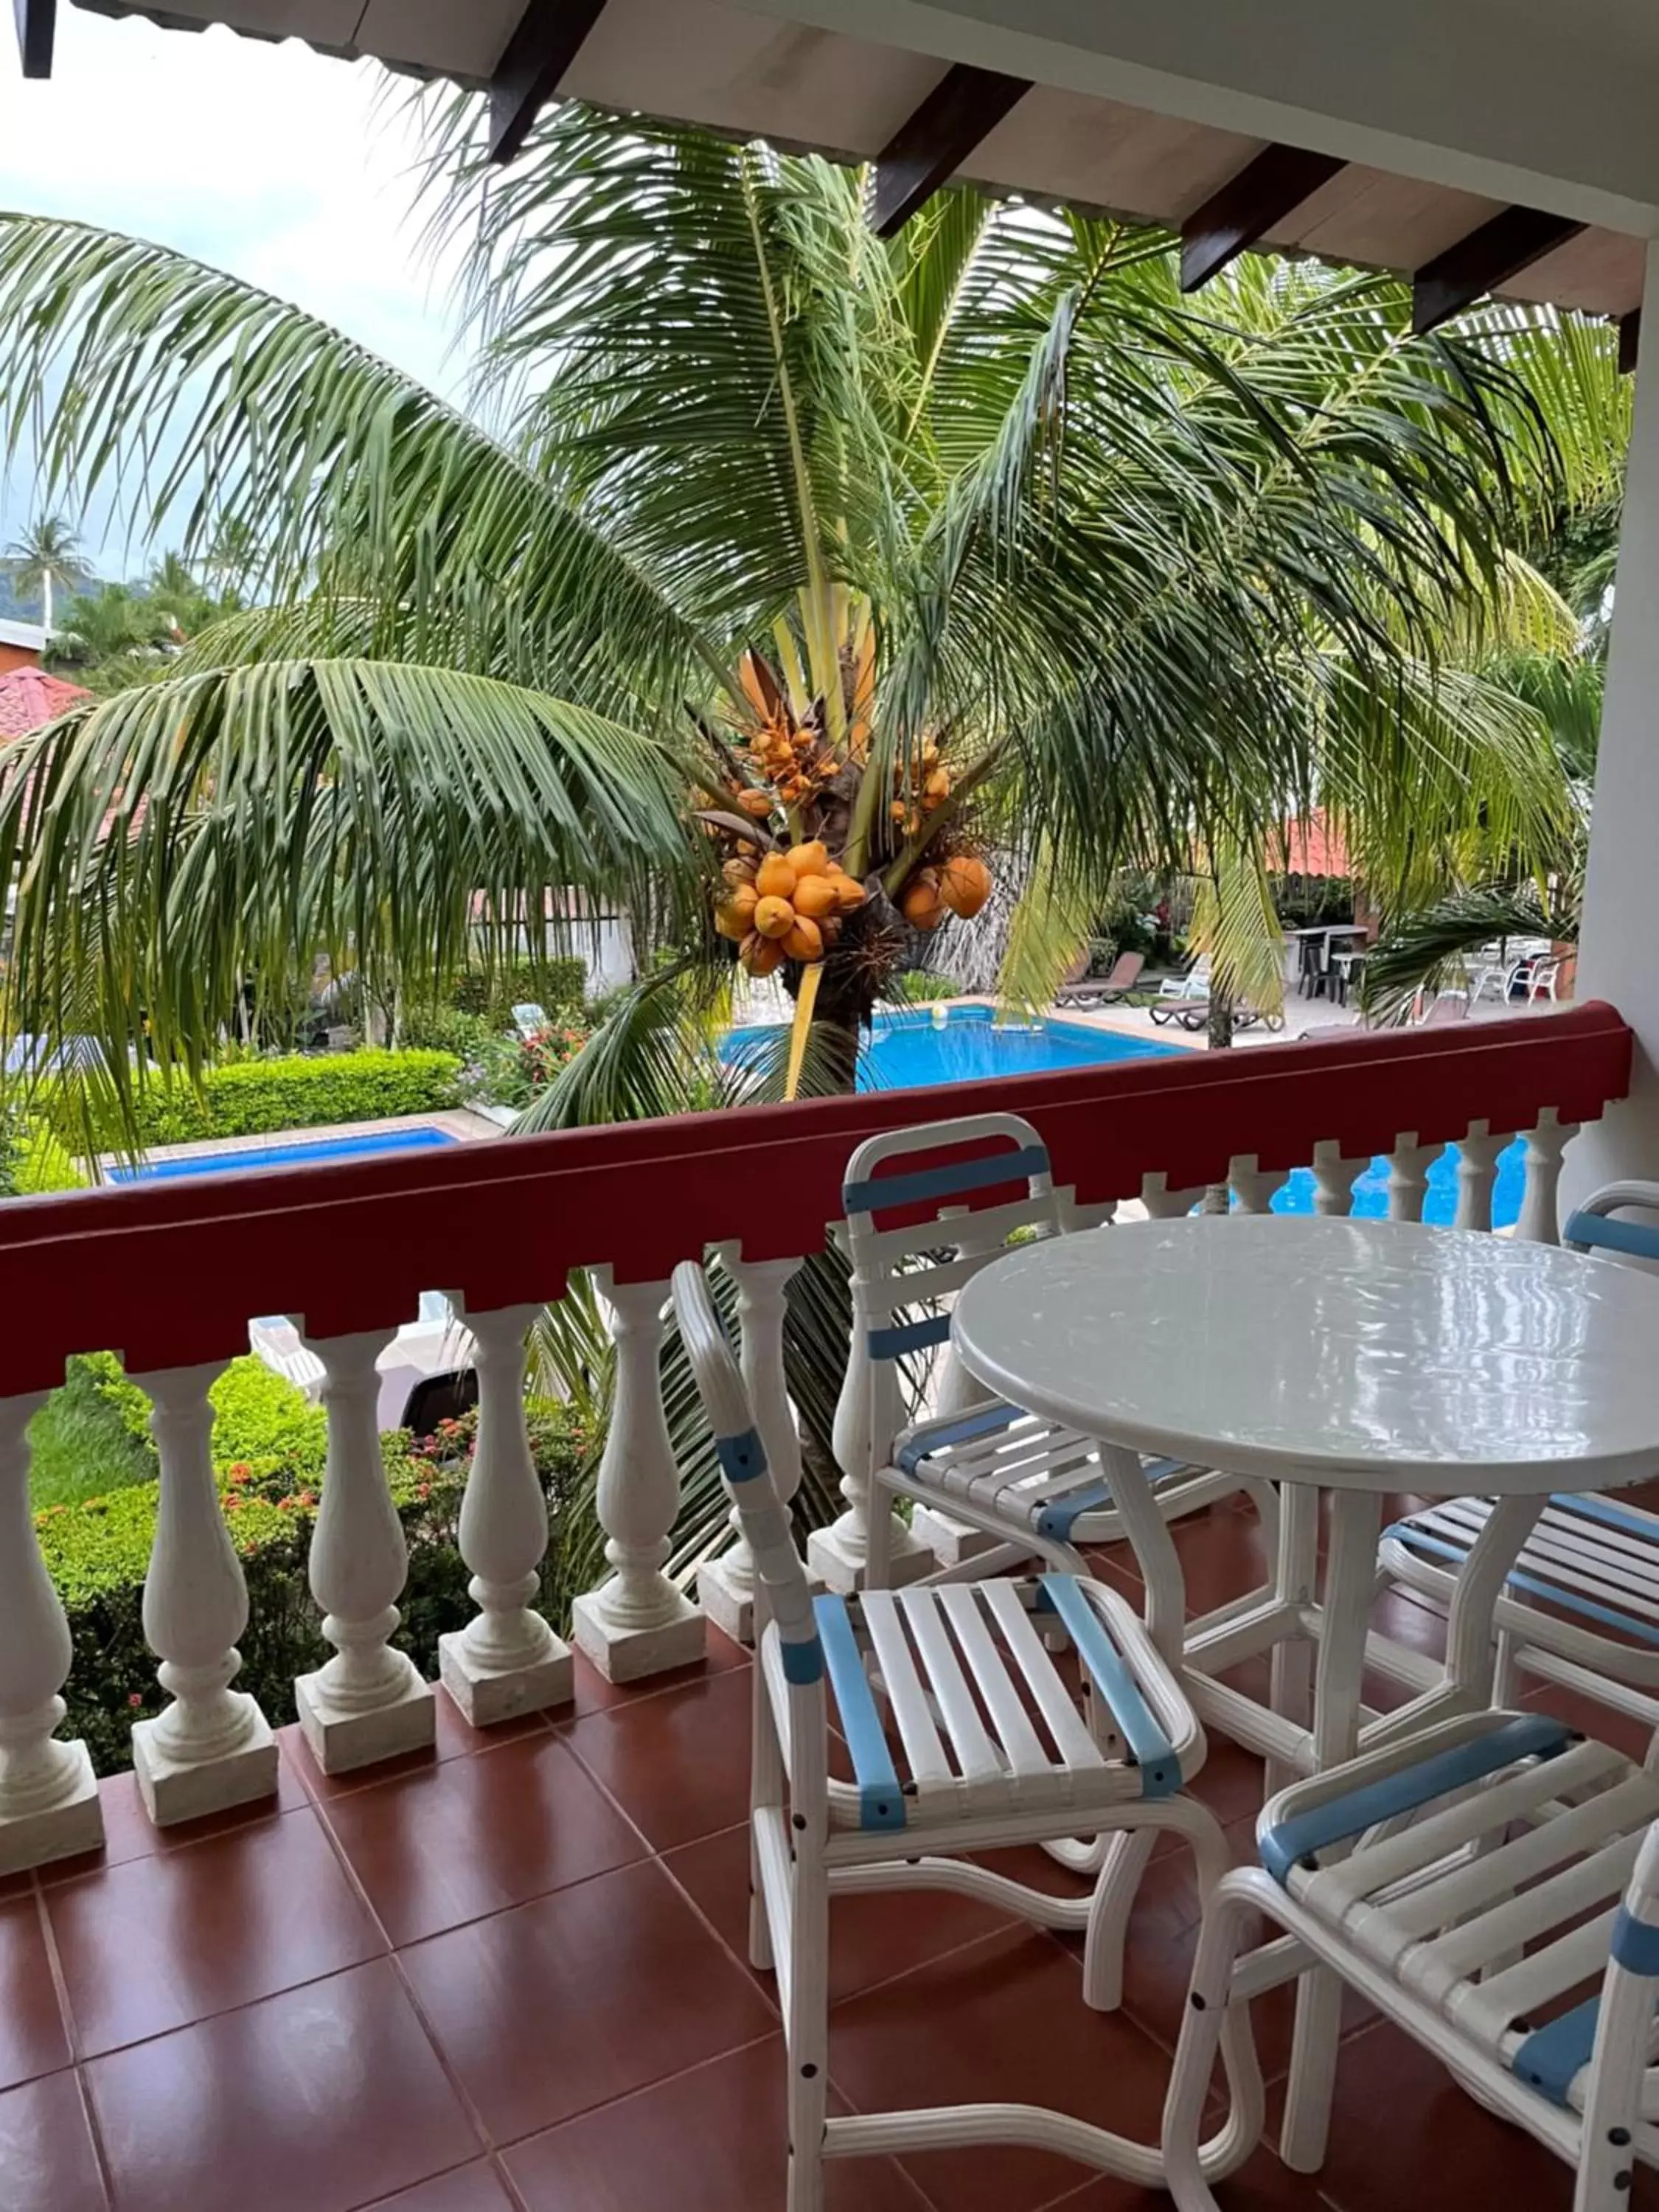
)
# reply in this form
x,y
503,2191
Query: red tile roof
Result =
x,y
1311,847
29,697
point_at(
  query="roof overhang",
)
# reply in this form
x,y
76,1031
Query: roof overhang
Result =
x,y
1481,144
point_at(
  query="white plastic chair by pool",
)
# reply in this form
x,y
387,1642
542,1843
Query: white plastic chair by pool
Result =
x,y
987,1747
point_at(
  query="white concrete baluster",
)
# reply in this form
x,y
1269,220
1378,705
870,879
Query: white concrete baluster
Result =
x,y
727,1584
48,1806
1477,1170
869,1403
1539,1219
368,1702
638,1623
1162,1204
1253,1186
953,1391
1334,1178
507,1660
212,1746
1408,1176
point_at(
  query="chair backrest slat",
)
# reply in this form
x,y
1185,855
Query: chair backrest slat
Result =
x,y
1594,1229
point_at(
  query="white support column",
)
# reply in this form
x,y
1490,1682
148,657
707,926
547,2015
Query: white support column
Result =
x,y
1616,940
1334,1178
868,1406
1162,1204
48,1806
507,1660
212,1746
638,1623
368,1702
1538,1220
1253,1186
727,1584
1477,1171
1408,1176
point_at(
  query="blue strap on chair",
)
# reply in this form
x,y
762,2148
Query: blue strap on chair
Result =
x,y
1059,1517
1605,1616
1602,1232
881,1801
1340,1818
1640,1525
935,1435
1636,1945
909,1336
879,1192
1553,2056
803,1661
1153,1752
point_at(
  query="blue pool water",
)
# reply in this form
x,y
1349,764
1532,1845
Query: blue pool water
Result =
x,y
910,1051
418,1139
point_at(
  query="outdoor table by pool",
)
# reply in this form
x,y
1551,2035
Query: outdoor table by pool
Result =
x,y
1353,1358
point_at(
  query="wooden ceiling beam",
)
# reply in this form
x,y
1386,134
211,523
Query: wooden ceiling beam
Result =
x,y
37,28
1630,340
925,151
536,56
1512,241
1247,206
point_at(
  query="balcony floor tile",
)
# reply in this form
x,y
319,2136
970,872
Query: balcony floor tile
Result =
x,y
677,1764
321,2099
580,1998
468,2189
48,2161
718,2131
32,2039
158,1942
475,1836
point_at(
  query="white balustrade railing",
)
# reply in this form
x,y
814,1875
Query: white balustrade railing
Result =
x,y
211,1746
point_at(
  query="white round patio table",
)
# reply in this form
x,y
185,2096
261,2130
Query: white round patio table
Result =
x,y
1357,1358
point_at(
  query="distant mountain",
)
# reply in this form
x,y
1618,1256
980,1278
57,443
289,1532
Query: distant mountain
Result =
x,y
12,609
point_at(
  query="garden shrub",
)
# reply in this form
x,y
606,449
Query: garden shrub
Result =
x,y
558,985
250,1098
97,1553
258,1415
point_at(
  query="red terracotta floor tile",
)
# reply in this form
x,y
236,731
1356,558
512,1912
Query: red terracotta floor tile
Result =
x,y
707,2140
47,2160
31,2037
1262,2185
324,2098
581,1997
130,1833
871,1938
455,1737
474,1836
1002,2021
1404,2134
160,1941
595,1695
677,1764
468,2189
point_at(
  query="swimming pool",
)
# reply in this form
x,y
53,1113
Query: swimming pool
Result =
x,y
909,1051
369,1146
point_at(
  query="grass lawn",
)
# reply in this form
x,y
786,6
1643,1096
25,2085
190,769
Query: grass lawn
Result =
x,y
81,1447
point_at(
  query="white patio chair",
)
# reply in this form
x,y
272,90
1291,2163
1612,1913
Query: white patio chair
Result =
x,y
983,1744
1500,1864
1582,1606
1036,1484
1542,979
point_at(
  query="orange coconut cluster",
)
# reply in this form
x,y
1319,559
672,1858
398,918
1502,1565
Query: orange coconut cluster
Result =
x,y
787,906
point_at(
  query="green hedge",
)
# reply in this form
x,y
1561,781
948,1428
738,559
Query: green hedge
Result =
x,y
97,1553
252,1098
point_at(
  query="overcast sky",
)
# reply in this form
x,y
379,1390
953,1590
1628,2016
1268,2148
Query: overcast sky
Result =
x,y
277,164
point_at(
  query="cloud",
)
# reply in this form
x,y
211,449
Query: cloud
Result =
x,y
290,169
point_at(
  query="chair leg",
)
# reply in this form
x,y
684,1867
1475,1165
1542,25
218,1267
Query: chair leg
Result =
x,y
806,2033
1119,1885
1209,2011
766,1787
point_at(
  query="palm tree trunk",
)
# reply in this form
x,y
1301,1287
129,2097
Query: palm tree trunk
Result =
x,y
46,602
1221,1021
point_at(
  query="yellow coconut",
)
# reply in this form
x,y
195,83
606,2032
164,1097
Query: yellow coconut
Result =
x,y
964,885
804,942
850,893
811,858
774,877
921,904
773,917
815,896
761,955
